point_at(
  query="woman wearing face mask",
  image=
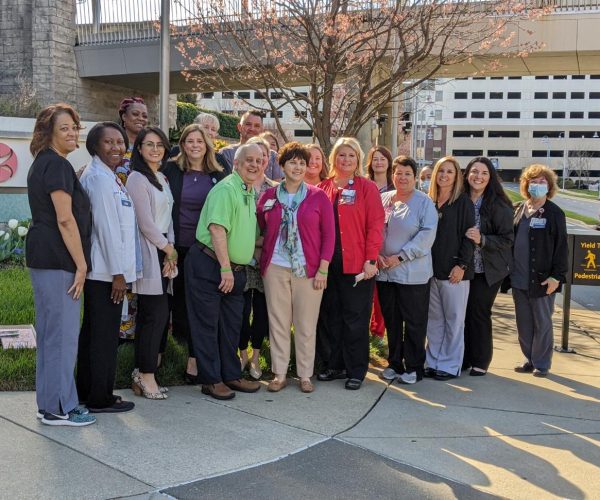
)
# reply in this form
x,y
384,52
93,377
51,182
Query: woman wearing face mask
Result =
x,y
540,266
425,179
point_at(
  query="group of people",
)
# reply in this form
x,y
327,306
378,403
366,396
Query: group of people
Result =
x,y
260,241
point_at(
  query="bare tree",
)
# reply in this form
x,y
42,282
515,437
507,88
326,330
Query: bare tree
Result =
x,y
353,55
580,164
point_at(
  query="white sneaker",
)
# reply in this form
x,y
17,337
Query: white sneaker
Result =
x,y
389,374
407,378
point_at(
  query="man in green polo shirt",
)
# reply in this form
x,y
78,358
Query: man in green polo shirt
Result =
x,y
215,276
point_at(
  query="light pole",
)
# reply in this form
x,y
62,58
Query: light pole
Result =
x,y
165,65
565,158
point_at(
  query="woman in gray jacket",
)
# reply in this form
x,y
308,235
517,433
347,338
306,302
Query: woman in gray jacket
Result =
x,y
405,269
113,266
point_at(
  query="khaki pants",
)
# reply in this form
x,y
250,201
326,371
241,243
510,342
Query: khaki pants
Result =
x,y
291,300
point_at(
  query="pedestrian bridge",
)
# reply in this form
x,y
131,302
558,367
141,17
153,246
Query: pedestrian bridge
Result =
x,y
118,42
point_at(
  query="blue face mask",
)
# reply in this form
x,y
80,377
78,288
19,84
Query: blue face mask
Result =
x,y
537,190
425,185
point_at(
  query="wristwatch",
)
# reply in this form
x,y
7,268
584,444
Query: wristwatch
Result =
x,y
400,259
463,266
372,262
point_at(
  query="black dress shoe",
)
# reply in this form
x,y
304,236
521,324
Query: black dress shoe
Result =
x,y
353,384
526,367
328,375
476,373
429,373
190,379
442,375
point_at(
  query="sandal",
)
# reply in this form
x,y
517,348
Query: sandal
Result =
x,y
306,386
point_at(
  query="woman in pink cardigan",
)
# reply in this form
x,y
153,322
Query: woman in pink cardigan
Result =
x,y
297,223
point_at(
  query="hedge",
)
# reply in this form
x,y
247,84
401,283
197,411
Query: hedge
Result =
x,y
186,112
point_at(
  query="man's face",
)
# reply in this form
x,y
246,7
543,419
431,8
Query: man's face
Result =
x,y
250,127
248,165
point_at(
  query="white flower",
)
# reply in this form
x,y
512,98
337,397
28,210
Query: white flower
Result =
x,y
2,233
22,231
13,223
6,236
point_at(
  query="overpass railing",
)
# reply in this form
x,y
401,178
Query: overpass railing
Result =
x,y
110,21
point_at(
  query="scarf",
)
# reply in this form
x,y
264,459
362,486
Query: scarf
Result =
x,y
288,231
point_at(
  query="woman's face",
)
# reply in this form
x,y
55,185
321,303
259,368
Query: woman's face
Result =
x,y
111,147
446,175
273,144
479,177
315,165
211,129
65,134
194,146
294,170
152,149
265,158
135,118
404,179
379,163
346,161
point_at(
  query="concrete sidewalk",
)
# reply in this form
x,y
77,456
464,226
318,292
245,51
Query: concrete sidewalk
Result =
x,y
506,434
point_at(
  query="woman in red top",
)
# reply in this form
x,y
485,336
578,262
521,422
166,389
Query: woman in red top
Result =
x,y
359,219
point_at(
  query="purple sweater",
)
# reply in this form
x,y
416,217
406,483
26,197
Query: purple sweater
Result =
x,y
316,227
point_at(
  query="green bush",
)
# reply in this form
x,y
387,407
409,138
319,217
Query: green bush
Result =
x,y
12,241
186,112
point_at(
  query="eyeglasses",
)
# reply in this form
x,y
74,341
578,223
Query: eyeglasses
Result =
x,y
154,145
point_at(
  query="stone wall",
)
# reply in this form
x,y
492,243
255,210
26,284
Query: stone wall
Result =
x,y
15,45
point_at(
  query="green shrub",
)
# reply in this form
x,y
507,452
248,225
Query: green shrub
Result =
x,y
12,241
186,112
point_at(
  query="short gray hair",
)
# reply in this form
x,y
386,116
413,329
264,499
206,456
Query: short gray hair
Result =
x,y
203,118
242,151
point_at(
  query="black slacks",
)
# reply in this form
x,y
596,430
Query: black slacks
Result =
x,y
255,305
348,315
405,309
98,343
215,318
478,323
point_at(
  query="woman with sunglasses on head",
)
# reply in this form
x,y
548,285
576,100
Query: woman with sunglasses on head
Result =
x,y
493,237
153,203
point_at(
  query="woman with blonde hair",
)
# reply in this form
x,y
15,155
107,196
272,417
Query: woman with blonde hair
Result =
x,y
271,138
452,255
540,266
348,297
191,177
317,169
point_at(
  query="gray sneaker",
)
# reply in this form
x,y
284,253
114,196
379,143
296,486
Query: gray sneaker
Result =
x,y
407,378
75,419
389,374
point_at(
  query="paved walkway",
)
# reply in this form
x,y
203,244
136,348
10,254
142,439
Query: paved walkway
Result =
x,y
504,435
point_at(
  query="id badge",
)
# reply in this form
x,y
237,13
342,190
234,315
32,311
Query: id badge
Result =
x,y
125,202
537,223
348,197
269,204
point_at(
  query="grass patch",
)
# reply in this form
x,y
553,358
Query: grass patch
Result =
x,y
513,196
17,296
581,193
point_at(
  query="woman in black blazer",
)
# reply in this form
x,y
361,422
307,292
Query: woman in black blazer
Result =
x,y
191,177
493,237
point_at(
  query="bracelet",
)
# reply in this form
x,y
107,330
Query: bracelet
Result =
x,y
324,273
225,269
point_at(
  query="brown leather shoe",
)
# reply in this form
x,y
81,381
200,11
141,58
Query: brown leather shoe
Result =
x,y
306,386
243,385
218,391
276,385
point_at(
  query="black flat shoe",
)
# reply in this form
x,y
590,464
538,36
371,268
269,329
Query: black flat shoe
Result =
x,y
328,375
353,384
190,379
429,373
476,373
441,375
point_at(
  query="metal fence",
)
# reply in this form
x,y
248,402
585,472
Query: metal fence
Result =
x,y
118,21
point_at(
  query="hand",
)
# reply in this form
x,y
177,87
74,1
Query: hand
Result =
x,y
227,281
456,275
169,268
382,262
369,269
78,282
552,285
171,253
119,288
320,281
474,235
392,261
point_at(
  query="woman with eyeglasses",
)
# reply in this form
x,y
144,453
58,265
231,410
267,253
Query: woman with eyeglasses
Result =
x,y
153,203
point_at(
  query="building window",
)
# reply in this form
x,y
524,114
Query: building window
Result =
x,y
477,114
479,78
577,95
259,95
460,95
513,114
577,77
438,114
559,95
299,114
594,115
540,114
495,114
276,95
244,95
513,95
467,133
478,95
504,133
583,134
300,94
228,95
560,77
558,114
496,95
594,95
541,77
576,114
467,152
594,77
303,133
497,78
460,114
503,152
584,154
540,95
514,78
439,95
538,134
208,95
436,153
543,153
276,114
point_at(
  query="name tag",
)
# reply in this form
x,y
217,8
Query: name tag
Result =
x,y
348,197
537,223
269,204
125,202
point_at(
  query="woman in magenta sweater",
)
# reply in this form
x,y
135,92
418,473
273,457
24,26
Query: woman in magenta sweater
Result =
x,y
296,220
